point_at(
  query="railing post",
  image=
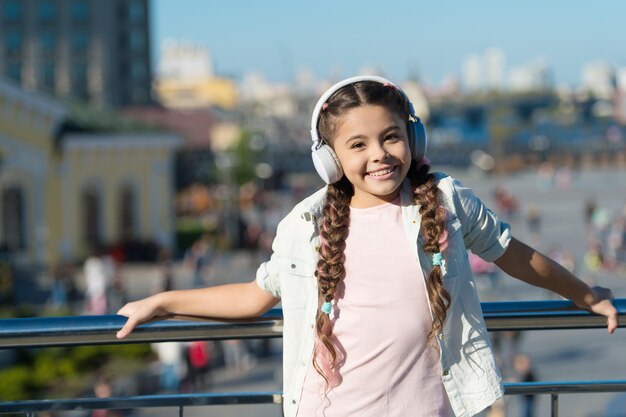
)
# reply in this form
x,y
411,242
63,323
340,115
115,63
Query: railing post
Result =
x,y
555,404
180,410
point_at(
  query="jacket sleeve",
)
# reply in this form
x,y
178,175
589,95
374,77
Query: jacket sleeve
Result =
x,y
267,277
484,234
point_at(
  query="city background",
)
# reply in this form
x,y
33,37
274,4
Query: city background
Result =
x,y
152,145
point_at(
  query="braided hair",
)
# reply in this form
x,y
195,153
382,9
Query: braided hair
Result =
x,y
335,221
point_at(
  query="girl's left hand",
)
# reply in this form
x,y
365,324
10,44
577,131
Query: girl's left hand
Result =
x,y
601,302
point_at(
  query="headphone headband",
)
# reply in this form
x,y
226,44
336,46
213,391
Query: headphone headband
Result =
x,y
335,87
325,160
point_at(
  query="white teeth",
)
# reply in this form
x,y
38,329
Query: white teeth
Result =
x,y
381,172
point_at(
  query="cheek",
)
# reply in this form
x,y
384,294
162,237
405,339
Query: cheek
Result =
x,y
404,153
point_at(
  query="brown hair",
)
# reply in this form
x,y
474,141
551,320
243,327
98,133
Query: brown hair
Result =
x,y
335,221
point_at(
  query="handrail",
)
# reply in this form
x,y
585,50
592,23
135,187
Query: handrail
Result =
x,y
568,387
241,398
144,401
93,330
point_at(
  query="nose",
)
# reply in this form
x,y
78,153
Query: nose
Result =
x,y
379,153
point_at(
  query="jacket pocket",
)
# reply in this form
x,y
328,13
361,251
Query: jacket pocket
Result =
x,y
296,280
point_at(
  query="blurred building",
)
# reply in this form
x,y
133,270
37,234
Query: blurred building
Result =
x,y
535,75
90,50
599,78
472,73
194,160
186,79
68,185
196,104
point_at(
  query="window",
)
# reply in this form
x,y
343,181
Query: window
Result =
x,y
14,71
12,10
137,41
79,72
46,11
136,12
91,206
137,71
13,41
48,75
47,42
79,11
80,40
128,213
13,219
79,80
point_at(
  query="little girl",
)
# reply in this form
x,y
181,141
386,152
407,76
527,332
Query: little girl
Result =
x,y
381,316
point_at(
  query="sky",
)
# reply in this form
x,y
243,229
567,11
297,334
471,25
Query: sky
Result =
x,y
401,39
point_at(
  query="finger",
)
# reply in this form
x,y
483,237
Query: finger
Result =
x,y
127,329
613,323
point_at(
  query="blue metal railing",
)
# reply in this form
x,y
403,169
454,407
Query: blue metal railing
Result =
x,y
90,330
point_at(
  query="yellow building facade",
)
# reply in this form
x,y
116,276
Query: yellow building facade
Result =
x,y
63,193
176,93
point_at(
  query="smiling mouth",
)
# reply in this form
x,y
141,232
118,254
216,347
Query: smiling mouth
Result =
x,y
381,172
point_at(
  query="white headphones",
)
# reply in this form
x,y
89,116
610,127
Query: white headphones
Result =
x,y
324,158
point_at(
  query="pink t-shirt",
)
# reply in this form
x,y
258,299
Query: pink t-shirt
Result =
x,y
381,321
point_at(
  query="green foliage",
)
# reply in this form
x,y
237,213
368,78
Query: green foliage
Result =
x,y
91,118
246,160
17,383
39,371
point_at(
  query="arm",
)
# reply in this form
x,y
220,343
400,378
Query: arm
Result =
x,y
528,265
231,301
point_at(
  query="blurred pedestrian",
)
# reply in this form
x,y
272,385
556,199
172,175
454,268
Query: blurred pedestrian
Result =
x,y
198,259
483,269
103,389
236,355
63,291
117,295
172,364
99,271
166,270
199,356
525,373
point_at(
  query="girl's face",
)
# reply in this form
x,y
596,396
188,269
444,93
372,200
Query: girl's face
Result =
x,y
372,145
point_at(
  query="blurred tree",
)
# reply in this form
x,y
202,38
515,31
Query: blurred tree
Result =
x,y
501,125
246,159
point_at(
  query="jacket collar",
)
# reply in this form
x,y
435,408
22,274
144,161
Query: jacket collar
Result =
x,y
313,205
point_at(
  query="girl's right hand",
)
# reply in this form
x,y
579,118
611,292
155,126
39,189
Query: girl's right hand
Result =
x,y
139,312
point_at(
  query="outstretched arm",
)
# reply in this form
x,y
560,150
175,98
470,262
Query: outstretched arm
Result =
x,y
528,265
231,301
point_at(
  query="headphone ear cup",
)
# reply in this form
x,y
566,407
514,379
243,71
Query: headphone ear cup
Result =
x,y
417,139
327,164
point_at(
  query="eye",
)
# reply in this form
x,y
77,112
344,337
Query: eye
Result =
x,y
393,137
357,145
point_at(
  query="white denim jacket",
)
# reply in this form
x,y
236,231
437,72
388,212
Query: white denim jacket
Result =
x,y
469,373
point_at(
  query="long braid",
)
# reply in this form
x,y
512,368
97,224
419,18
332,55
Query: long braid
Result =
x,y
330,272
330,269
433,227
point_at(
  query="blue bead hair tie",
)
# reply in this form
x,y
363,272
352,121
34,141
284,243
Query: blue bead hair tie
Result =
x,y
437,259
327,307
